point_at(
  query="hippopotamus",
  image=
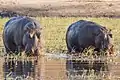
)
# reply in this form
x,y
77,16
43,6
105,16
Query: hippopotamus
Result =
x,y
8,14
20,34
83,34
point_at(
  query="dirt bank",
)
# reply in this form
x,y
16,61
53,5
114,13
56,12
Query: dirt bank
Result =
x,y
91,8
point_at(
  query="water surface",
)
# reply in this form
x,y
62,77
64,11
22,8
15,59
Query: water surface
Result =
x,y
59,67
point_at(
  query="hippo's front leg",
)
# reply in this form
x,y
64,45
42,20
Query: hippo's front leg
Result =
x,y
18,50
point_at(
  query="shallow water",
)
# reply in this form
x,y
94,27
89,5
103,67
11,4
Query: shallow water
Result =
x,y
58,67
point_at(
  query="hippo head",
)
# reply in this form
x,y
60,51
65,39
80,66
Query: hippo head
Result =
x,y
31,38
103,40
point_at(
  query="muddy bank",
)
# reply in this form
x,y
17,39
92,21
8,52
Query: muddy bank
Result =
x,y
63,8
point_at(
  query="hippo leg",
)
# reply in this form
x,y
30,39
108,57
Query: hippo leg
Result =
x,y
97,49
96,52
11,48
75,50
17,50
7,50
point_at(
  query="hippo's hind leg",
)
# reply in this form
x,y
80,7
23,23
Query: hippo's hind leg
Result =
x,y
18,50
69,49
75,50
96,52
7,51
11,48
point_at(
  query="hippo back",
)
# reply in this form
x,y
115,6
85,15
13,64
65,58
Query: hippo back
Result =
x,y
12,20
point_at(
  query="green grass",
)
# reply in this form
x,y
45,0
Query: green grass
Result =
x,y
54,30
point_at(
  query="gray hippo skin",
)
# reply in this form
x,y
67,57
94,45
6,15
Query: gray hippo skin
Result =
x,y
83,34
21,34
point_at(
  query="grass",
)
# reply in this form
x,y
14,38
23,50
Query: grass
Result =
x,y
54,30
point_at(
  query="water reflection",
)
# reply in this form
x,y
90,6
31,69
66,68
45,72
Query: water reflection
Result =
x,y
19,69
23,69
57,68
86,69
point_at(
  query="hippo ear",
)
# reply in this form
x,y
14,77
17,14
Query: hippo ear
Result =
x,y
110,34
27,27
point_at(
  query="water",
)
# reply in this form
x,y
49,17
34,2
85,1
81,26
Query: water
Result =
x,y
58,67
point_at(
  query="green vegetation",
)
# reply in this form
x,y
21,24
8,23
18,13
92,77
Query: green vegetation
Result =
x,y
54,30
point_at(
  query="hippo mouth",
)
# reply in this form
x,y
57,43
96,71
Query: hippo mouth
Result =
x,y
32,52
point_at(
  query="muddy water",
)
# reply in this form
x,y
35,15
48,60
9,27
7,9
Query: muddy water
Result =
x,y
58,67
